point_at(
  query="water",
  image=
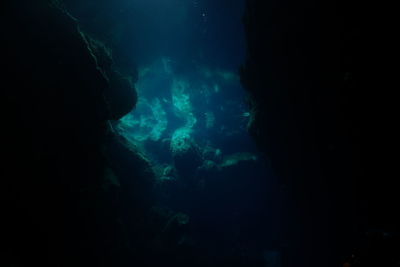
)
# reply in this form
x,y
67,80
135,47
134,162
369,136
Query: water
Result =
x,y
191,122
205,106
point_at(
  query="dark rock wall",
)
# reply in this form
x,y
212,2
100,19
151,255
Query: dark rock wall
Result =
x,y
316,72
115,23
61,198
120,94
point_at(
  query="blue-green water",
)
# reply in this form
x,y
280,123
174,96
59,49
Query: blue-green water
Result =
x,y
191,120
205,106
187,55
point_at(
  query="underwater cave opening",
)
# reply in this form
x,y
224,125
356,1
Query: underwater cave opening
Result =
x,y
191,120
190,99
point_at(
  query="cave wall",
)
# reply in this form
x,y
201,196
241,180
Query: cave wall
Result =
x,y
315,73
61,192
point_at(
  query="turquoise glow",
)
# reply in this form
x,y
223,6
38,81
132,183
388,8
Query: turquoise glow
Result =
x,y
176,110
